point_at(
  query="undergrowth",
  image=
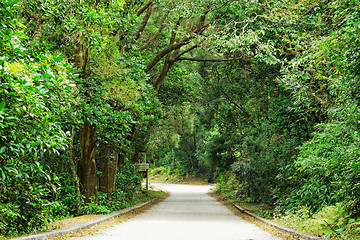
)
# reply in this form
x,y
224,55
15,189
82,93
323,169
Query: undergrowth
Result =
x,y
330,222
168,174
176,175
35,212
118,202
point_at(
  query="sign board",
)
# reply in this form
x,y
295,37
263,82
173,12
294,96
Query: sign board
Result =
x,y
144,166
143,169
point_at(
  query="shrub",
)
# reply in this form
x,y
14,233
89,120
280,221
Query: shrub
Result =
x,y
331,222
27,198
329,164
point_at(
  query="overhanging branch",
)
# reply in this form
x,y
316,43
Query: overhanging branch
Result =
x,y
144,7
206,59
248,116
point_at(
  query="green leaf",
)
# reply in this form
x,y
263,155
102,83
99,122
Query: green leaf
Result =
x,y
3,176
2,149
14,2
2,106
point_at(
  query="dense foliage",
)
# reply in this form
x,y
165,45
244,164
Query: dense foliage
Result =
x,y
283,115
47,97
266,90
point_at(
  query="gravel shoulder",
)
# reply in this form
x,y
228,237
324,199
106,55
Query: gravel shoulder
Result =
x,y
90,224
274,231
191,209
66,223
189,213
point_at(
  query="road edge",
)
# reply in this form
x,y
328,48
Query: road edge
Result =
x,y
277,226
61,232
255,218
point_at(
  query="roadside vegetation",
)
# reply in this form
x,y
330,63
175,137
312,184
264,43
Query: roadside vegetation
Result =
x,y
174,175
167,174
259,97
330,222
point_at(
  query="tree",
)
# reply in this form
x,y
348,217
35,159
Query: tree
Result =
x,y
36,88
92,46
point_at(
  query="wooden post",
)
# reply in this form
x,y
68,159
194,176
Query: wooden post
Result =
x,y
144,167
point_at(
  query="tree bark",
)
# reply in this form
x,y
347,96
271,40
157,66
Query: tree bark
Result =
x,y
144,7
156,35
73,169
108,167
39,24
104,168
140,30
135,158
113,168
87,164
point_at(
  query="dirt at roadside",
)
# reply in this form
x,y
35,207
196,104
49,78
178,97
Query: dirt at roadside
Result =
x,y
250,219
95,229
123,218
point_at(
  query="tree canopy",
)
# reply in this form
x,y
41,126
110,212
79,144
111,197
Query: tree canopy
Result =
x,y
267,90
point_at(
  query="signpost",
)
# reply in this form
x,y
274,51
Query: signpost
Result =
x,y
144,166
143,169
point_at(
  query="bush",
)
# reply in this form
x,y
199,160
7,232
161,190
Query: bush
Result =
x,y
331,222
128,181
329,164
168,174
96,206
68,195
127,192
27,198
226,183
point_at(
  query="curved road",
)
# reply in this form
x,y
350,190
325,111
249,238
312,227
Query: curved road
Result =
x,y
189,213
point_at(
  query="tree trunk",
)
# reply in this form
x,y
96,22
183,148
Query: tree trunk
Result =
x,y
104,168
87,164
113,168
121,160
39,24
136,156
73,169
108,167
130,138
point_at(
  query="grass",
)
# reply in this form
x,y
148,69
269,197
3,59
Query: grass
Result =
x,y
331,222
261,209
174,175
98,210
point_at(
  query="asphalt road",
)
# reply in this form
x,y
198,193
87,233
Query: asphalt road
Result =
x,y
189,213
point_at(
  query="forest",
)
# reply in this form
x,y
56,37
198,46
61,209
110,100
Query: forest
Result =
x,y
264,91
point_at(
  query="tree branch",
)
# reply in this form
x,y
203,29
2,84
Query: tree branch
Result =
x,y
39,23
173,34
206,60
186,51
198,29
144,7
144,22
156,35
165,51
239,107
140,30
165,69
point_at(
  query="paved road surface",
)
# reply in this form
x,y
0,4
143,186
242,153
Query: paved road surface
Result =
x,y
189,213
